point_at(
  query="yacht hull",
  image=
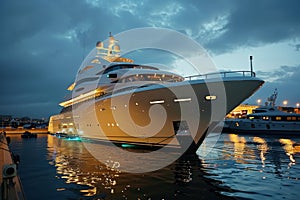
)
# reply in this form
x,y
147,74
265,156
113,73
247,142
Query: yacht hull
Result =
x,y
176,116
262,127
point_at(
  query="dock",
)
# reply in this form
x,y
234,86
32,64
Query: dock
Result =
x,y
11,188
22,130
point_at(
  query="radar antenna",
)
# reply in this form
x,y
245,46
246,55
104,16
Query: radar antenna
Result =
x,y
110,53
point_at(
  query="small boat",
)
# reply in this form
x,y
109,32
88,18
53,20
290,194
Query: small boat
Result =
x,y
266,119
28,134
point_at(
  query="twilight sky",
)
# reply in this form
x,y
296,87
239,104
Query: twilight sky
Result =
x,y
43,43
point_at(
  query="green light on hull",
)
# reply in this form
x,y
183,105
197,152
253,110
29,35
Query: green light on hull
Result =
x,y
74,138
127,145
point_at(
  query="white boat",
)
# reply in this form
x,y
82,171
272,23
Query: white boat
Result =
x,y
266,119
115,100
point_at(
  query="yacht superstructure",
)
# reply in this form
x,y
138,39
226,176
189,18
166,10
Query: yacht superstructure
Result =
x,y
115,100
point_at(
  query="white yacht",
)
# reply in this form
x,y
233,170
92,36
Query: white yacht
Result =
x,y
266,119
115,100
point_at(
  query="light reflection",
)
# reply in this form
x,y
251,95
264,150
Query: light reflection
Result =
x,y
97,180
290,148
241,151
263,147
269,173
75,170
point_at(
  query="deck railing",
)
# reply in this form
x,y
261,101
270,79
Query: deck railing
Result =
x,y
222,75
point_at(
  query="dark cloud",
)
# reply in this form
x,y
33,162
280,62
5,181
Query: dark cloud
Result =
x,y
254,23
42,43
297,47
36,60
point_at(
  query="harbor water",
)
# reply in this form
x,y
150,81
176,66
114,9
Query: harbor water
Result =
x,y
226,166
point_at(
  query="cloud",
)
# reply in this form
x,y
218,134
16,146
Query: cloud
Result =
x,y
297,47
42,43
252,23
281,75
286,80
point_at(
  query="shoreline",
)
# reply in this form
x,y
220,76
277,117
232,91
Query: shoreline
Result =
x,y
21,131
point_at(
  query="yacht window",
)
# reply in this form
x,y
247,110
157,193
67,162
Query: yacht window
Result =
x,y
265,118
289,118
210,97
124,66
278,118
112,75
259,111
253,117
294,118
151,77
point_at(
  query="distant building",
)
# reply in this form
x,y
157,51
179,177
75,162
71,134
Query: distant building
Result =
x,y
5,120
5,117
241,111
8,121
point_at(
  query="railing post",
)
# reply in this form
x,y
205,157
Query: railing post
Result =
x,y
251,67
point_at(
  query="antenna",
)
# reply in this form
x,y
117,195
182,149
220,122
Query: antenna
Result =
x,y
251,66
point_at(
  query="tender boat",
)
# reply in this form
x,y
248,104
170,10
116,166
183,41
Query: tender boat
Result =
x,y
118,101
266,119
28,134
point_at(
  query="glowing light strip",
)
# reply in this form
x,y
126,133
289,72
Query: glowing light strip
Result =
x,y
79,98
157,102
183,100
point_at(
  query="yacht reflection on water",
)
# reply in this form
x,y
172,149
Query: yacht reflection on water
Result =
x,y
241,161
269,149
86,176
74,164
255,166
